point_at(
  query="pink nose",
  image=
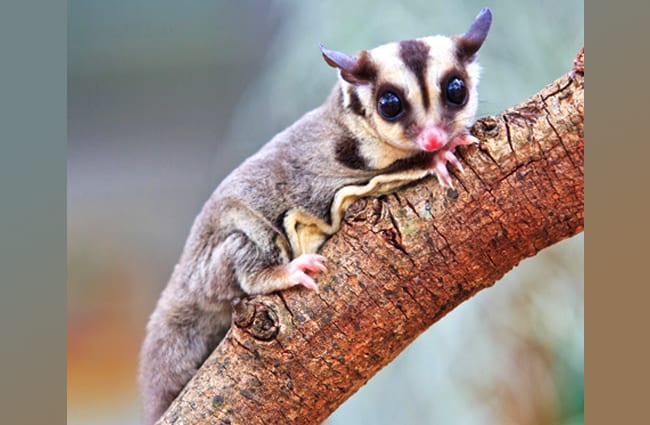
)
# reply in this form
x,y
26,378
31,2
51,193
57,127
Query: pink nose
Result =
x,y
432,138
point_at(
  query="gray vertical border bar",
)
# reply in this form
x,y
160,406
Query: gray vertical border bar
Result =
x,y
33,211
616,212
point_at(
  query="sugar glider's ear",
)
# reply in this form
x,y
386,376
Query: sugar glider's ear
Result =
x,y
354,69
469,43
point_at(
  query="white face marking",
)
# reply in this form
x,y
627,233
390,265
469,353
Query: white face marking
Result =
x,y
394,74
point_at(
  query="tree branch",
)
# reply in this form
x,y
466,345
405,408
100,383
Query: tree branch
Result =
x,y
399,263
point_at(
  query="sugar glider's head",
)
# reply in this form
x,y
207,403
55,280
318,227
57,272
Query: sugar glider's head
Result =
x,y
415,94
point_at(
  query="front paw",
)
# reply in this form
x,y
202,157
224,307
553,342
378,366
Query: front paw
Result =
x,y
446,155
298,268
439,167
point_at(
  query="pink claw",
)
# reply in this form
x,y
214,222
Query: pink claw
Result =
x,y
301,278
297,270
446,155
440,170
451,158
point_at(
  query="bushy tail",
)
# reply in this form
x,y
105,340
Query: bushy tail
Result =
x,y
179,339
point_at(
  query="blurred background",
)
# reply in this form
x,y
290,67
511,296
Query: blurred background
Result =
x,y
166,97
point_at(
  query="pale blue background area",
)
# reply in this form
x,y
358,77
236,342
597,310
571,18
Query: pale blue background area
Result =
x,y
166,97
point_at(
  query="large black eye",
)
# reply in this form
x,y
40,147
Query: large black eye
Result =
x,y
389,105
456,92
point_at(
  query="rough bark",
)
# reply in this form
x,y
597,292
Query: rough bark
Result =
x,y
400,263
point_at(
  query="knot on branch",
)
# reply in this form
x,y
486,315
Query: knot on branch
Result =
x,y
256,318
486,127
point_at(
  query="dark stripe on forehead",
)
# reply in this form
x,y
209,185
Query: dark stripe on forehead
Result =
x,y
415,54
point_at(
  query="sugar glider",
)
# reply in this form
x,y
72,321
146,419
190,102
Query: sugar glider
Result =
x,y
395,115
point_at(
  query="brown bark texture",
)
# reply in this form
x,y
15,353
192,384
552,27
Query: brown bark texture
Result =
x,y
399,263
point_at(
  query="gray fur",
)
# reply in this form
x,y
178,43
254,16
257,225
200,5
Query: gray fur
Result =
x,y
259,219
